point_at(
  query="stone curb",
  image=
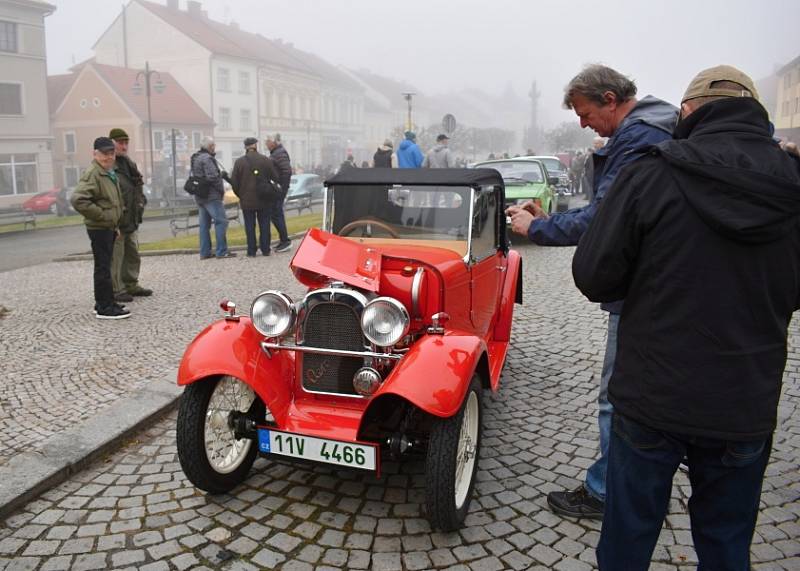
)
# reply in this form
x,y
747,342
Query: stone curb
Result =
x,y
28,475
182,251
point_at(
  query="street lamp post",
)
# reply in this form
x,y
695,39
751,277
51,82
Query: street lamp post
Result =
x,y
407,96
158,86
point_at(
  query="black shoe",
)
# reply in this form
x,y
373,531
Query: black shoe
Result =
x,y
267,253
251,255
112,312
578,503
284,246
140,292
123,296
207,257
228,255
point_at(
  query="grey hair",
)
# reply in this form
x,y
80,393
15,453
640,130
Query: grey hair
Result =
x,y
276,137
206,142
594,81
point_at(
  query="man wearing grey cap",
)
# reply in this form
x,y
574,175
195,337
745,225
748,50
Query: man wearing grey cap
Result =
x,y
701,237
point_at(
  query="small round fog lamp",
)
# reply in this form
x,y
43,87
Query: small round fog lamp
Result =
x,y
366,381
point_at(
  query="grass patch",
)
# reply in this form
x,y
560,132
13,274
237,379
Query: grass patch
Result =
x,y
235,234
71,220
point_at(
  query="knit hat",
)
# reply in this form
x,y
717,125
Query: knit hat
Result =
x,y
388,143
118,134
703,84
410,135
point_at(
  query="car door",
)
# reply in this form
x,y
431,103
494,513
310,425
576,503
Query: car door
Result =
x,y
485,260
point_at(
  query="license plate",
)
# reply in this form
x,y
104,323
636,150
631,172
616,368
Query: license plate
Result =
x,y
361,456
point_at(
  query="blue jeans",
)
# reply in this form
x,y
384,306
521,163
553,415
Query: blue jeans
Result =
x,y
596,474
213,210
726,479
278,219
250,217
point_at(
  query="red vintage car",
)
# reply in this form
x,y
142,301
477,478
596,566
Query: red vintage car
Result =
x,y
405,323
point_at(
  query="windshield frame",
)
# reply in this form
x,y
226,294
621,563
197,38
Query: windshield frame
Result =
x,y
329,209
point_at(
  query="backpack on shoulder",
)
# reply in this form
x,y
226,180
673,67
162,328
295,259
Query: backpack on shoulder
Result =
x,y
265,187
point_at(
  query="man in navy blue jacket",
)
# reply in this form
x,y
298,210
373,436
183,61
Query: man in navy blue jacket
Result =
x,y
604,100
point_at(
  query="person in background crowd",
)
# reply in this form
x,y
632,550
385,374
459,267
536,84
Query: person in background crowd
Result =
x,y
99,199
440,157
408,154
383,156
701,237
283,164
576,171
588,167
348,163
255,206
211,209
126,262
604,100
365,164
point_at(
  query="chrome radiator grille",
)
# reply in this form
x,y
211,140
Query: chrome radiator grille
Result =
x,y
331,325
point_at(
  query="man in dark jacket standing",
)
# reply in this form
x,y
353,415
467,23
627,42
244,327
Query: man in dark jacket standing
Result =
x,y
283,164
383,156
702,238
247,170
126,262
604,100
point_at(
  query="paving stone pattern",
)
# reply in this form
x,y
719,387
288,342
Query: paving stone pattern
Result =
x,y
135,509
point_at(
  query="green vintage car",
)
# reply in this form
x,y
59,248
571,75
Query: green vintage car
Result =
x,y
525,179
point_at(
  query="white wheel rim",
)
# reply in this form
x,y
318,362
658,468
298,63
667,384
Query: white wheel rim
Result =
x,y
225,453
467,449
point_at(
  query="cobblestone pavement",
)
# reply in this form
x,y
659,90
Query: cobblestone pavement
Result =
x,y
135,509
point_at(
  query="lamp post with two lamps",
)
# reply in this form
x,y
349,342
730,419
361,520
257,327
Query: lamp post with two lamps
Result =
x,y
159,87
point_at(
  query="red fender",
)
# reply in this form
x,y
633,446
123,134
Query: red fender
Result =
x,y
512,292
435,374
234,348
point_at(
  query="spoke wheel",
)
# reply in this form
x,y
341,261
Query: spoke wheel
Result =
x,y
211,456
452,462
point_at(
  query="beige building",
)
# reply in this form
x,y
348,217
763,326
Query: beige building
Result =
x,y
87,103
248,84
25,157
787,115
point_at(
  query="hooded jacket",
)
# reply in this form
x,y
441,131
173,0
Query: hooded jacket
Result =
x,y
701,237
439,157
408,155
383,157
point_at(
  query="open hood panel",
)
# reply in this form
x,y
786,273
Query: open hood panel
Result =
x,y
337,258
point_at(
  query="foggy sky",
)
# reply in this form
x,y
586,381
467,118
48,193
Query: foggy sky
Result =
x,y
440,45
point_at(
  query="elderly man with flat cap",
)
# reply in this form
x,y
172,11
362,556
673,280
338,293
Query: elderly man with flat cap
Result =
x,y
126,262
99,199
701,237
253,179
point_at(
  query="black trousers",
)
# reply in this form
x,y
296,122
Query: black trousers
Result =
x,y
250,218
102,249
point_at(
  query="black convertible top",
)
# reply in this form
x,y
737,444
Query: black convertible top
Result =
x,y
438,177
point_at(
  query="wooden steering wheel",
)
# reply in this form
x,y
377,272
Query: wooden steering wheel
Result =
x,y
348,228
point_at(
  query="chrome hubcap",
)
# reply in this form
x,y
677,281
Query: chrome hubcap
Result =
x,y
225,453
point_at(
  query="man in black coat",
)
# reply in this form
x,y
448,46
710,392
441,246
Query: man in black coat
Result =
x,y
283,164
255,204
701,237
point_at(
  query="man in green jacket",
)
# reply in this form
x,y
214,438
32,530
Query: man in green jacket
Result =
x,y
99,199
126,262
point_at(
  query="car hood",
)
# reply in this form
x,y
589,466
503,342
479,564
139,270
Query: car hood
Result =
x,y
323,256
516,190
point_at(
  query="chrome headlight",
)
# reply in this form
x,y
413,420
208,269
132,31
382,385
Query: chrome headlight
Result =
x,y
385,321
273,313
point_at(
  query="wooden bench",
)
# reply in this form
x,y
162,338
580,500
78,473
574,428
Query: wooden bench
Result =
x,y
187,219
17,215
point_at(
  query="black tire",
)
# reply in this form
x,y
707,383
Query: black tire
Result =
x,y
440,466
191,440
